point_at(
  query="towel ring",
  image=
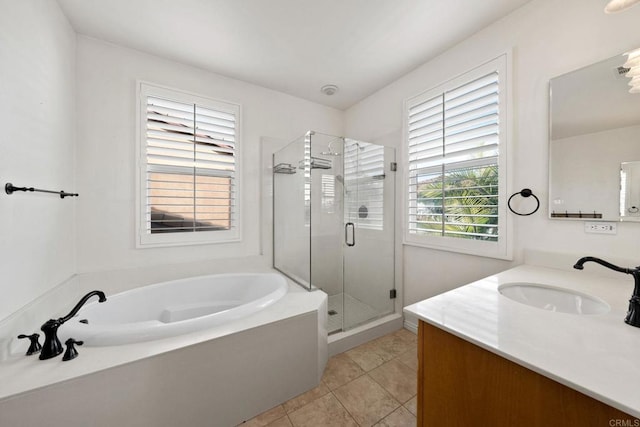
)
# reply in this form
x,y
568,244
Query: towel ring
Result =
x,y
526,192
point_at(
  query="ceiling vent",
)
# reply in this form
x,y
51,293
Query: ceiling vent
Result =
x,y
329,89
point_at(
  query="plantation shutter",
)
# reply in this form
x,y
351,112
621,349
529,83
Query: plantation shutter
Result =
x,y
190,155
453,147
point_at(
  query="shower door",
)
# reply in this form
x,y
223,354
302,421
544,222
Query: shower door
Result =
x,y
369,221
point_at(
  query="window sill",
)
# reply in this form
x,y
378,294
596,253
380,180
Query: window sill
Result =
x,y
486,250
146,241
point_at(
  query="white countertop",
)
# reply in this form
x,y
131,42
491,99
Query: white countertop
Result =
x,y
598,355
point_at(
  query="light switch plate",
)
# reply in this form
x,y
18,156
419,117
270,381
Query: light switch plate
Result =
x,y
601,227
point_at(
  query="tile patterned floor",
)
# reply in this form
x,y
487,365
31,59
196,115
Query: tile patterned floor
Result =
x,y
374,384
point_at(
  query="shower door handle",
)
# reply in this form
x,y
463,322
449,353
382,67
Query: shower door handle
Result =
x,y
353,234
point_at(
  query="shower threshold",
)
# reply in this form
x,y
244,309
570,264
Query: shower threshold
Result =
x,y
357,312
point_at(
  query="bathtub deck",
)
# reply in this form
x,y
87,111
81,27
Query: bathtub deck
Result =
x,y
173,381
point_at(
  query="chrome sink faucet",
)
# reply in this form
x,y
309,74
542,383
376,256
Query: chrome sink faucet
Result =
x,y
52,346
633,314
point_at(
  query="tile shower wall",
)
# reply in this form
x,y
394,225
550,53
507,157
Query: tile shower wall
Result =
x,y
37,144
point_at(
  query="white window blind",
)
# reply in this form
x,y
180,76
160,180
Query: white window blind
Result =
x,y
364,183
189,156
453,157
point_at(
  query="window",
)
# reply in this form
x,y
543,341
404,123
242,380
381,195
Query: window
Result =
x,y
455,143
189,169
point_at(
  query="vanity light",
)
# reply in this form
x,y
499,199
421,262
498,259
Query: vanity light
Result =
x,y
633,72
619,5
633,58
633,64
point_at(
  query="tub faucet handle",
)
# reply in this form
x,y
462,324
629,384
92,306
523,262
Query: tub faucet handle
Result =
x,y
35,346
71,352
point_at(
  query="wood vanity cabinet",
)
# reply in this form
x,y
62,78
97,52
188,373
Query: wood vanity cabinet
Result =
x,y
461,384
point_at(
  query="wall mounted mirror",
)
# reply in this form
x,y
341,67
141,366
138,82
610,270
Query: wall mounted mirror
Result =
x,y
594,143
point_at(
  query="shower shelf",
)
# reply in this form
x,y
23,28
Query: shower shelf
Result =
x,y
314,163
285,168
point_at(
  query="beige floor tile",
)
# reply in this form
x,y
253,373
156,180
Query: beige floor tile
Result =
x,y
398,418
340,370
396,343
282,422
304,398
366,400
266,418
367,356
398,379
412,405
374,353
406,335
410,357
325,411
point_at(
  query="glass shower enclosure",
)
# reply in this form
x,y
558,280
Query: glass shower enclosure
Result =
x,y
333,228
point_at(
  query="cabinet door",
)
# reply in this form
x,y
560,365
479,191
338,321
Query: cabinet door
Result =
x,y
461,384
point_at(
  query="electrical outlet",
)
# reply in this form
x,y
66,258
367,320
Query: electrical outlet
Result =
x,y
601,227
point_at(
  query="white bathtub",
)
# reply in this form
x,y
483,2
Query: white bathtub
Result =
x,y
174,308
220,375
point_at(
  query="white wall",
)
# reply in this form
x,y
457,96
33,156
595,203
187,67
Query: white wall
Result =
x,y
576,185
106,150
37,143
548,38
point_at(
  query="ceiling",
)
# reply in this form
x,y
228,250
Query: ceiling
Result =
x,y
292,46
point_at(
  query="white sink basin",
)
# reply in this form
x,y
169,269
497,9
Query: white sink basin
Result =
x,y
553,299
